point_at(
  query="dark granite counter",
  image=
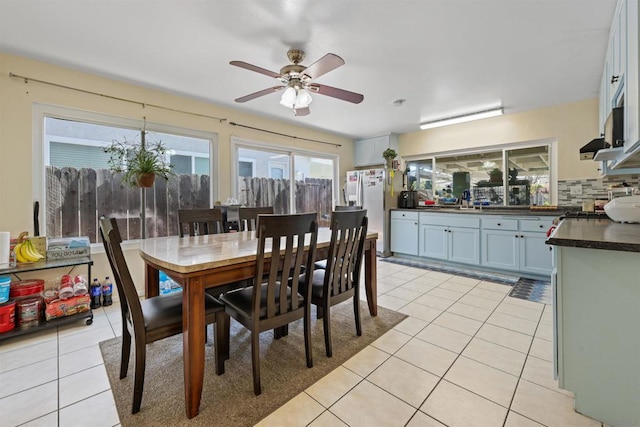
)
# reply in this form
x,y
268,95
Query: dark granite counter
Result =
x,y
515,211
597,234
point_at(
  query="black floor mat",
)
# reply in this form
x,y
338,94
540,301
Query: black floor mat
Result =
x,y
532,290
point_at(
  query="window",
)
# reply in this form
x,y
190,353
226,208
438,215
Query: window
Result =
x,y
274,176
526,181
79,188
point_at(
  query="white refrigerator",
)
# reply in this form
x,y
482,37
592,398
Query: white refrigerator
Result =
x,y
376,190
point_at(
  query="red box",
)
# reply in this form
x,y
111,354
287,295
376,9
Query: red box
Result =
x,y
60,308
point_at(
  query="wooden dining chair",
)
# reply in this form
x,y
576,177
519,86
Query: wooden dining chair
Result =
x,y
249,216
270,303
153,318
198,222
340,280
323,263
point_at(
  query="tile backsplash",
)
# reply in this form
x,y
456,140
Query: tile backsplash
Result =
x,y
593,188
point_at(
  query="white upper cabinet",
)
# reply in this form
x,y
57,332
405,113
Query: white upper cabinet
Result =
x,y
631,100
368,152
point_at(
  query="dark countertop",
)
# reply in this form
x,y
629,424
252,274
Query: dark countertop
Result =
x,y
597,234
515,211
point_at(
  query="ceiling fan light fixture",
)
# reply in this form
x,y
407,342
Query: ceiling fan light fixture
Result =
x,y
462,118
303,99
288,97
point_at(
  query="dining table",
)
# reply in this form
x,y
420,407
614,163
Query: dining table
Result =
x,y
211,261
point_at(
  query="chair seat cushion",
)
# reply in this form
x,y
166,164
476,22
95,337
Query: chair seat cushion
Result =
x,y
321,264
166,310
317,283
241,300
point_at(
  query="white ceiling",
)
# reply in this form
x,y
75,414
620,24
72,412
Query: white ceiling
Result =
x,y
445,57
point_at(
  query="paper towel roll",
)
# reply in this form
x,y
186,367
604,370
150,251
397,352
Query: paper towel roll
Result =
x,y
4,248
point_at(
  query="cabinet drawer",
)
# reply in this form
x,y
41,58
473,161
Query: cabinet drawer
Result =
x,y
499,224
404,215
540,225
450,220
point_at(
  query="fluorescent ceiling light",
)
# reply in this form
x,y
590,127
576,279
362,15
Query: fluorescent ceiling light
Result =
x,y
461,119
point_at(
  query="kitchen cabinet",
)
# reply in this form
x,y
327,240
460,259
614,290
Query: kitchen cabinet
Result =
x,y
500,243
516,244
450,237
368,152
632,95
404,232
47,265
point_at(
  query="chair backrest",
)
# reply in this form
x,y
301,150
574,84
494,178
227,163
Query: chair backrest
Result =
x,y
348,234
129,300
249,216
197,222
283,236
347,208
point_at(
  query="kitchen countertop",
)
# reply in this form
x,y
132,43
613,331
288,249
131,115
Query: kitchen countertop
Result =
x,y
596,234
515,211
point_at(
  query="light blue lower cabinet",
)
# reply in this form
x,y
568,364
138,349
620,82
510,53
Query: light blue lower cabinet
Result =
x,y
433,241
500,249
464,245
535,254
457,244
404,236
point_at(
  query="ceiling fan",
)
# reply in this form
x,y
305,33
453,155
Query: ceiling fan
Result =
x,y
296,82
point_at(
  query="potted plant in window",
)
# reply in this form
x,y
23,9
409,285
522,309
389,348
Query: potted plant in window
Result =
x,y
140,162
389,154
495,175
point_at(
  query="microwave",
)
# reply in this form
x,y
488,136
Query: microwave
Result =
x,y
614,127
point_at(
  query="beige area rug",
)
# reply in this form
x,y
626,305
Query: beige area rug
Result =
x,y
228,400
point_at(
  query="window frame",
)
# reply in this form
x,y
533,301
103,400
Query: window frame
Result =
x,y
41,152
238,142
552,143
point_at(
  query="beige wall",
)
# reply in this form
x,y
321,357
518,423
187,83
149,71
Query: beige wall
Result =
x,y
573,125
16,104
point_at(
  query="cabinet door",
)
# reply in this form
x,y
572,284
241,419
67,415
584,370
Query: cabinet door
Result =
x,y
404,236
433,241
500,249
632,95
464,245
535,255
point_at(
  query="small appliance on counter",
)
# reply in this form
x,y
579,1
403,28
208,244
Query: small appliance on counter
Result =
x,y
624,209
408,199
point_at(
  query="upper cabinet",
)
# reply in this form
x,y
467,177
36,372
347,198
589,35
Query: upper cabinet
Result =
x,y
368,152
619,87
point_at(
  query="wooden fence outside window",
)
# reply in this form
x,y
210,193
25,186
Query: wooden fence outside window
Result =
x,y
77,198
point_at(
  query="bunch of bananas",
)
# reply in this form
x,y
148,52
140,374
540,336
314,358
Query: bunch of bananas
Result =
x,y
25,251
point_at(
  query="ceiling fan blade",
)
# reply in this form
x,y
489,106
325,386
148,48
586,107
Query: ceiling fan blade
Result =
x,y
259,94
334,92
323,65
301,111
255,68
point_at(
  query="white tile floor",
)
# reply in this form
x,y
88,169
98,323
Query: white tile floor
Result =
x,y
467,355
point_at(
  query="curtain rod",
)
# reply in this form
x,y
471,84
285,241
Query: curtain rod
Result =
x,y
284,134
143,104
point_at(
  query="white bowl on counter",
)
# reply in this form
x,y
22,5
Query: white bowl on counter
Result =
x,y
624,209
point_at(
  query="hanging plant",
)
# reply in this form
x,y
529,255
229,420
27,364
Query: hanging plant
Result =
x,y
140,162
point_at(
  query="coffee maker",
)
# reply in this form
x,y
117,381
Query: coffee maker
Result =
x,y
408,200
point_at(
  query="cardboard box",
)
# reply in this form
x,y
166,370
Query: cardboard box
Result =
x,y
71,247
56,254
67,307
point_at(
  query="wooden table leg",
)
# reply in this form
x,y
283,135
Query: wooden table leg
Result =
x,y
371,276
193,344
151,282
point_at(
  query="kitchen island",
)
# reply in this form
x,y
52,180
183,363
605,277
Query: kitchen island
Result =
x,y
597,316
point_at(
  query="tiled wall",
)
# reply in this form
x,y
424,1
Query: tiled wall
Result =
x,y
591,188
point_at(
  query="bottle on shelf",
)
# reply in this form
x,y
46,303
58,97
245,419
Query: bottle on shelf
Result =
x,y
96,293
107,291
